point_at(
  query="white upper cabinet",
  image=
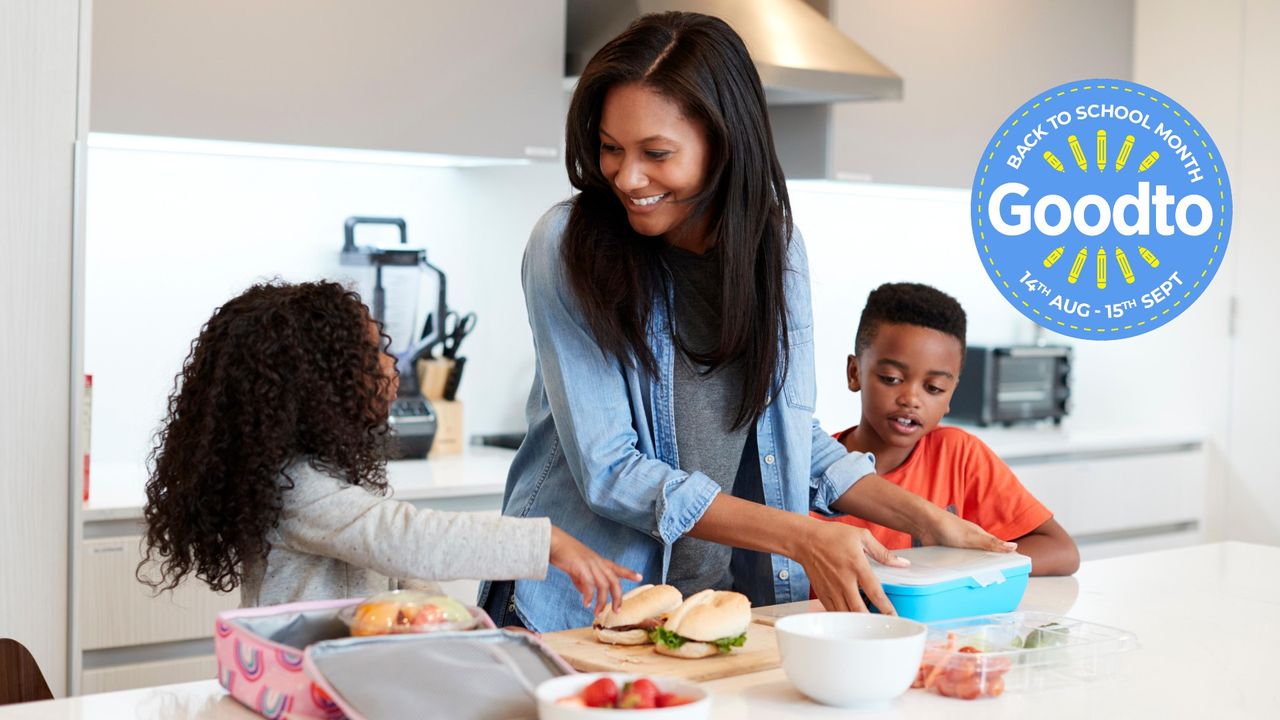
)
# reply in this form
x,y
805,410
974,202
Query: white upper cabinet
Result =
x,y
435,76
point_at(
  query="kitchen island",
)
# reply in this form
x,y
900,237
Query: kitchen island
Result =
x,y
1207,619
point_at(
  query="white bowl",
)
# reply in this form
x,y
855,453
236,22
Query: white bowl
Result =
x,y
850,659
549,691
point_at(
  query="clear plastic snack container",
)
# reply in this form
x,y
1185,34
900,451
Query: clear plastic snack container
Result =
x,y
987,656
407,611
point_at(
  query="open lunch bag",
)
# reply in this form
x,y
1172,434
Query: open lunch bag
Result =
x,y
298,661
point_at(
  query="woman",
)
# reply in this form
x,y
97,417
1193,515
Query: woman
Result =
x,y
671,416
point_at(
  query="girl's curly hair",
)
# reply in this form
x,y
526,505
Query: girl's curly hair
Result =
x,y
281,373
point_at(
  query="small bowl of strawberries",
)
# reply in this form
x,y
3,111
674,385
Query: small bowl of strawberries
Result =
x,y
590,696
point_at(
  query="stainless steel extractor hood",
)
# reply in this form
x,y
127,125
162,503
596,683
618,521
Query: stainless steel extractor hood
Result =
x,y
801,57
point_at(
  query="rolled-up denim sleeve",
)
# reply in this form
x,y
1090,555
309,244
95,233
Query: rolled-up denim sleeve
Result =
x,y
594,408
834,470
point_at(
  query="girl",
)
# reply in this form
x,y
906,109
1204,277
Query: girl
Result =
x,y
270,469
671,417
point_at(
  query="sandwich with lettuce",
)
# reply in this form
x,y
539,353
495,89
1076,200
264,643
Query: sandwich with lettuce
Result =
x,y
709,623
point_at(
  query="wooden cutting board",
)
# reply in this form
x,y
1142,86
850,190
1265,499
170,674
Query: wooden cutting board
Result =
x,y
579,648
771,614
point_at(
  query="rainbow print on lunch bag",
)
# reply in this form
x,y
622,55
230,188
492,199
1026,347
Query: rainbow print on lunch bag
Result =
x,y
266,676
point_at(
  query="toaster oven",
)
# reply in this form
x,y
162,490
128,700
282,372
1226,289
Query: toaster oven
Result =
x,y
1012,384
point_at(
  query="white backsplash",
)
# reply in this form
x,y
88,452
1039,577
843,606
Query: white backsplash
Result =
x,y
170,236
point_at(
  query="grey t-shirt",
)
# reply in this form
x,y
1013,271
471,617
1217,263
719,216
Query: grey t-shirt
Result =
x,y
705,406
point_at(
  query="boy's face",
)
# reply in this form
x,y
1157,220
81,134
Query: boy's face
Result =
x,y
906,376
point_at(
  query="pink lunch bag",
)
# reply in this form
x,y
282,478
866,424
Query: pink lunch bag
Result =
x,y
260,656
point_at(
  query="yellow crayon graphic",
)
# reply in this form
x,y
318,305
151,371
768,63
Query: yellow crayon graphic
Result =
x,y
1123,261
1148,161
1123,157
1102,149
1078,265
1152,260
1052,257
1078,152
1102,268
1053,161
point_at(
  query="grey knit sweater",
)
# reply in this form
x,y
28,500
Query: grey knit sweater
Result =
x,y
337,540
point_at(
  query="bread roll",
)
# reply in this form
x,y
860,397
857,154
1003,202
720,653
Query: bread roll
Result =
x,y
709,616
642,606
621,637
690,650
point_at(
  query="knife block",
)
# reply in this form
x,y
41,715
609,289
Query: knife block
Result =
x,y
448,428
433,373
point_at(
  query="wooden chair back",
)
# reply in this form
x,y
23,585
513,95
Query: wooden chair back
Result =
x,y
20,676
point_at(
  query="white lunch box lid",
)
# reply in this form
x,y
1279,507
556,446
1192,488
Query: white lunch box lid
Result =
x,y
935,564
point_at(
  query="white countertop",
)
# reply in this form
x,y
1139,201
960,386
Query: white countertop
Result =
x,y
474,472
1049,442
1207,618
118,493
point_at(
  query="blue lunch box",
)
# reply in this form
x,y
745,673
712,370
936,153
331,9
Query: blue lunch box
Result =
x,y
944,583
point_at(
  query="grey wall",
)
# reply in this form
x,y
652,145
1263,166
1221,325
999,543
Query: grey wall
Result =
x,y
966,64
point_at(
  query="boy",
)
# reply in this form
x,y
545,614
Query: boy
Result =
x,y
908,355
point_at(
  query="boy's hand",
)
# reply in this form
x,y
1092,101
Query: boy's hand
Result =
x,y
947,529
590,573
835,557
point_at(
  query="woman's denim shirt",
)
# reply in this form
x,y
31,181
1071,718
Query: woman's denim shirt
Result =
x,y
600,458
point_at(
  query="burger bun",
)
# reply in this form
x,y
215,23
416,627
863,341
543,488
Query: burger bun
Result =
x,y
621,637
640,604
710,615
691,650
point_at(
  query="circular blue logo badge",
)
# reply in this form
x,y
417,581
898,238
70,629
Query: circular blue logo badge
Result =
x,y
1101,209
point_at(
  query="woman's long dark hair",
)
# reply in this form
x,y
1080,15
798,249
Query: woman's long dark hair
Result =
x,y
701,64
280,373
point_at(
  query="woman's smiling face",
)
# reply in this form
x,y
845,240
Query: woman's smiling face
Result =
x,y
654,157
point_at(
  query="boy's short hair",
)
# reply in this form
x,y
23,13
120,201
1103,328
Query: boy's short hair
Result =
x,y
910,304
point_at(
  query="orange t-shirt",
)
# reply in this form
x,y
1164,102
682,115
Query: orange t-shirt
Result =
x,y
957,471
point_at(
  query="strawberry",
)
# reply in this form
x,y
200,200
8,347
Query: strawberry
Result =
x,y
968,689
645,687
995,686
672,700
602,693
639,695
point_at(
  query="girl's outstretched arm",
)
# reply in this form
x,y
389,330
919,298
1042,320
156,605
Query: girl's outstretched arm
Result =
x,y
591,574
327,516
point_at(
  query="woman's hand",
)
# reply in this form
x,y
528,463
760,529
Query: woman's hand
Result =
x,y
947,529
835,557
590,573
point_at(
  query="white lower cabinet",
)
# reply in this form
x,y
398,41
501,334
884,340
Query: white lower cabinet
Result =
x,y
147,674
133,637
117,610
1122,504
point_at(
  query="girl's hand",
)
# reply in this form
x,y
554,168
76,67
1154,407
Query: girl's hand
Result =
x,y
835,557
947,529
590,573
